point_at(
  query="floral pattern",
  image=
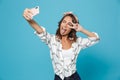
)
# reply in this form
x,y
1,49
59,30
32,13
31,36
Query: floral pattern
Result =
x,y
55,52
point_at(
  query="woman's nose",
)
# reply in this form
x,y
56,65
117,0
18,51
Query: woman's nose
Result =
x,y
66,25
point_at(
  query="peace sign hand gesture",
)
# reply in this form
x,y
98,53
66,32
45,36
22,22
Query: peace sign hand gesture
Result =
x,y
77,27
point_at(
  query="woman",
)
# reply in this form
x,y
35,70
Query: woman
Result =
x,y
65,45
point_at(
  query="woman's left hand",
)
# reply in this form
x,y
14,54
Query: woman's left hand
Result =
x,y
77,27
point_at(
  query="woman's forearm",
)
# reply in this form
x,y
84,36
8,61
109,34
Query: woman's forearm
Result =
x,y
35,26
80,28
28,15
88,33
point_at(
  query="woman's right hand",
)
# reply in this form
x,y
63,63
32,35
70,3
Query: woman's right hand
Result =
x,y
27,14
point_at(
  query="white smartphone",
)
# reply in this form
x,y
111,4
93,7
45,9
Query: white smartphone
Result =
x,y
35,10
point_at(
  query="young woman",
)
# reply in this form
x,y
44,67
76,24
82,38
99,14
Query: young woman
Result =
x,y
65,45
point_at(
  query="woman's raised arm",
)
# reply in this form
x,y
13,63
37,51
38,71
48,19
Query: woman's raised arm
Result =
x,y
28,15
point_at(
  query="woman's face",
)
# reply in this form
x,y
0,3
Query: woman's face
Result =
x,y
65,26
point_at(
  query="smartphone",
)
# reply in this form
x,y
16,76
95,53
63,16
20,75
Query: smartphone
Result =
x,y
35,10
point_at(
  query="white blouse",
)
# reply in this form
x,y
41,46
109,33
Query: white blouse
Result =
x,y
64,61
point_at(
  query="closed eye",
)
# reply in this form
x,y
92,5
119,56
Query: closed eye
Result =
x,y
70,24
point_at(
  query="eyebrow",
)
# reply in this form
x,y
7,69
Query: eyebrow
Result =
x,y
66,21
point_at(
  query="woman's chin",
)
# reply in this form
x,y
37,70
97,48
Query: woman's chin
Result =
x,y
64,34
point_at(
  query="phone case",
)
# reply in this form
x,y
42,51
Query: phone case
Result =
x,y
35,10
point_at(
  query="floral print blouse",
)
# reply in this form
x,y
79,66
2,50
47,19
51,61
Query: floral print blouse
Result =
x,y
58,60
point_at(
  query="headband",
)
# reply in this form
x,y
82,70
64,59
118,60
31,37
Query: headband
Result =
x,y
66,13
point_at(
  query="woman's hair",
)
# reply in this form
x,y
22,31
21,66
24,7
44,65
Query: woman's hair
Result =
x,y
72,35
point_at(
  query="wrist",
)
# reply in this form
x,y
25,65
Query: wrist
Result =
x,y
80,29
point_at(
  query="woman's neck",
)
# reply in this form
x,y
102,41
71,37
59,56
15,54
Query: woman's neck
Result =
x,y
66,43
65,38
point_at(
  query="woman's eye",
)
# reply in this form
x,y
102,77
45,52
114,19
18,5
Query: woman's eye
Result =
x,y
70,24
64,21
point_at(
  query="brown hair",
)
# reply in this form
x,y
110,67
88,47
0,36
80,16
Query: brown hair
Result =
x,y
72,35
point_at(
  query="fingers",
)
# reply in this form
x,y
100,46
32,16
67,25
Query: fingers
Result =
x,y
75,26
29,11
27,17
27,14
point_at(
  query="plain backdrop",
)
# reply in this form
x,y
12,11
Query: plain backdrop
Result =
x,y
24,57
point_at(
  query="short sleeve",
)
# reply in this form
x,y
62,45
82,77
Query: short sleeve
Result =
x,y
87,42
44,36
